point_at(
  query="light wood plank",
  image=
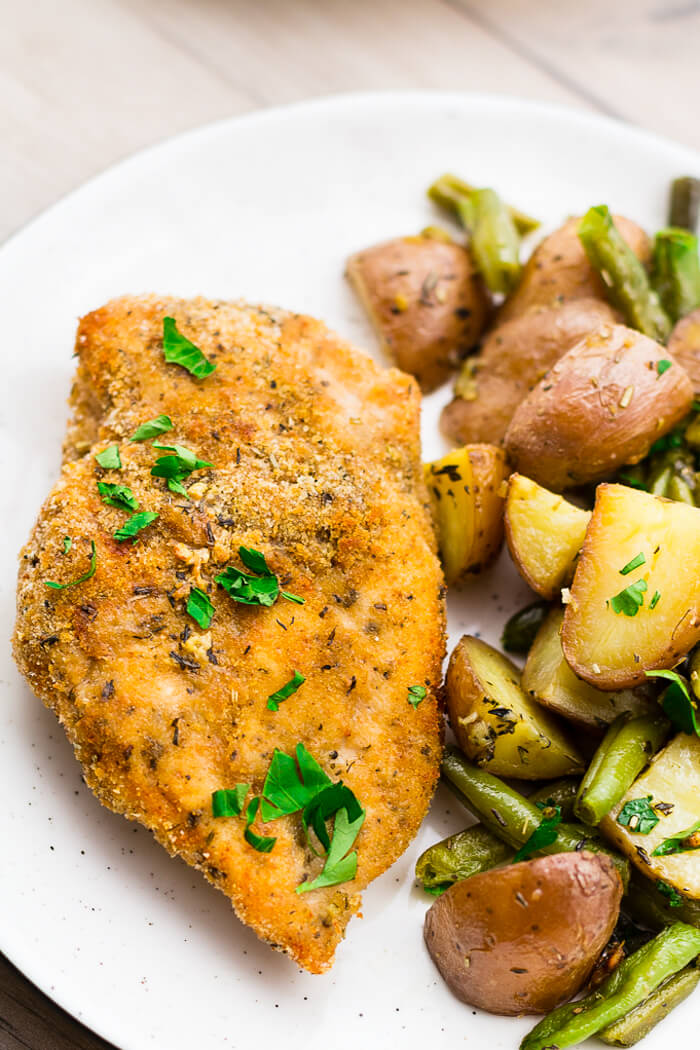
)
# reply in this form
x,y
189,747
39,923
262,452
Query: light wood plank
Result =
x,y
84,83
638,57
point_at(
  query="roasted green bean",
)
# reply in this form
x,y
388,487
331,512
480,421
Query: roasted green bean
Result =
x,y
685,203
676,271
494,241
520,630
640,1021
625,278
624,751
448,189
630,984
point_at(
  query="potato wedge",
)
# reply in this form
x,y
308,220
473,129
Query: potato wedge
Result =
x,y
523,938
558,269
425,300
497,724
544,533
467,500
684,346
673,777
549,680
512,360
610,649
602,405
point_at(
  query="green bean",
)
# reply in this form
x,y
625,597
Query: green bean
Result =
x,y
560,793
640,1021
685,203
519,632
458,856
676,271
679,489
630,984
623,753
625,278
448,189
493,239
512,816
659,480
646,905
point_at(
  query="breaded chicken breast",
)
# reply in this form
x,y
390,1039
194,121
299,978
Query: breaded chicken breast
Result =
x,y
311,457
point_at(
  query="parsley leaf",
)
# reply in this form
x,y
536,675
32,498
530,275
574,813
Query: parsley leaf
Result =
x,y
287,790
544,834
176,467
261,843
275,699
110,459
633,482
322,806
638,815
253,590
67,544
134,524
200,608
437,891
416,694
682,842
178,350
228,802
677,703
630,600
152,428
81,579
339,867
663,366
638,560
119,496
674,898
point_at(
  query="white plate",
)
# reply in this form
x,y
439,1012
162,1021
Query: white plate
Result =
x,y
267,207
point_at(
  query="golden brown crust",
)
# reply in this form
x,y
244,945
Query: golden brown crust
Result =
x,y
317,464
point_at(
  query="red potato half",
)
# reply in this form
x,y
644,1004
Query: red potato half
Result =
x,y
602,405
684,345
426,302
523,938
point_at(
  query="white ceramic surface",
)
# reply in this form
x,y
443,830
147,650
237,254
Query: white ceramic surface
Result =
x,y
267,207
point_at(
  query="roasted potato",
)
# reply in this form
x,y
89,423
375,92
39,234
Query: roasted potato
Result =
x,y
684,346
558,269
544,533
425,300
523,938
602,405
549,680
498,725
673,777
658,602
467,499
512,360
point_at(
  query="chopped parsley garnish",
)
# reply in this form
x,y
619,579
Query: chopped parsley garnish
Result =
x,y
437,891
287,690
322,806
544,834
81,579
178,350
674,898
151,429
228,802
340,865
135,524
682,842
117,495
638,815
200,608
663,366
287,790
177,466
638,560
655,600
261,843
67,544
634,483
677,702
416,694
110,459
630,600
263,589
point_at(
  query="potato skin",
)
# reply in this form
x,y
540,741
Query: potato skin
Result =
x,y
512,360
684,346
558,269
531,932
489,472
426,301
602,405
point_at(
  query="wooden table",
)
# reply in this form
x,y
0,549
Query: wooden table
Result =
x,y
86,82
